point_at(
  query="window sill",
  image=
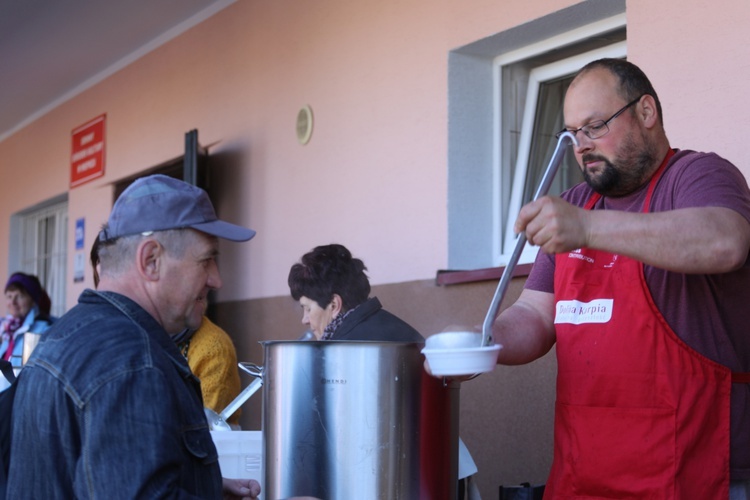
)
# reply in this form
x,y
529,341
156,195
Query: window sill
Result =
x,y
448,277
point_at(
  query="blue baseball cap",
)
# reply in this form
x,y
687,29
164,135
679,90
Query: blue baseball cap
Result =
x,y
159,203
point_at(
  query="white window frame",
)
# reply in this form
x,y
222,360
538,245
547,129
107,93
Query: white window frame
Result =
x,y
30,254
503,244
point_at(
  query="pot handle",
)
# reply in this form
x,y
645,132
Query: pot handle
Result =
x,y
219,422
257,372
240,399
251,368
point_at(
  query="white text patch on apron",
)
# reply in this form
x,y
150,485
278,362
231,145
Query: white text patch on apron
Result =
x,y
577,312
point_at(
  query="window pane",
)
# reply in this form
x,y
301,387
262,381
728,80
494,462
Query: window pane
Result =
x,y
46,247
43,250
548,121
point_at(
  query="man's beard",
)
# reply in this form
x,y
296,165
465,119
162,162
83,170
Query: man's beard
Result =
x,y
623,176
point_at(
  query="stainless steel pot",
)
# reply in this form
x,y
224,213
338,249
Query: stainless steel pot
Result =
x,y
344,420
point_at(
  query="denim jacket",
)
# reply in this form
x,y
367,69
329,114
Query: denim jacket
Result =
x,y
107,408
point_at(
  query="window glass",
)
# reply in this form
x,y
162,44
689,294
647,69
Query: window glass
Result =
x,y
533,145
547,122
43,250
505,97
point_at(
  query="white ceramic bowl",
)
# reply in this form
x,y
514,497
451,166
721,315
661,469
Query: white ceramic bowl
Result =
x,y
459,353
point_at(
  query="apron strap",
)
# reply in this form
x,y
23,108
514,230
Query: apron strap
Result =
x,y
740,378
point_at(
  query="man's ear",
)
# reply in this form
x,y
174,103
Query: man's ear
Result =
x,y
149,256
647,111
336,305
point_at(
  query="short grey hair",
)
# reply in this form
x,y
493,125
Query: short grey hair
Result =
x,y
117,255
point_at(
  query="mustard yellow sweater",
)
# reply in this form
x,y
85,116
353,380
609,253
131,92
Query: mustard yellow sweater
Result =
x,y
213,359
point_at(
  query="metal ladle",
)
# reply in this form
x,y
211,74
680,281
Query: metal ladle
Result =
x,y
507,275
218,421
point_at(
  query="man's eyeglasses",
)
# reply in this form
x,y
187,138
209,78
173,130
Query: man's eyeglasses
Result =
x,y
599,128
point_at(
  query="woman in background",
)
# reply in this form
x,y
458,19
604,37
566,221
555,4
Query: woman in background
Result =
x,y
334,293
28,312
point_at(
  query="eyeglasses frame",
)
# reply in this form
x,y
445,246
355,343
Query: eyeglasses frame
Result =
x,y
585,128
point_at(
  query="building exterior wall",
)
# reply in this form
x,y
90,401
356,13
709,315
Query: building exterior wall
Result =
x,y
374,73
374,174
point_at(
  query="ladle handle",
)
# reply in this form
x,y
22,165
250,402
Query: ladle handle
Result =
x,y
507,275
245,394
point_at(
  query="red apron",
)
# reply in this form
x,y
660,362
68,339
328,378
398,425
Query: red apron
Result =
x,y
639,414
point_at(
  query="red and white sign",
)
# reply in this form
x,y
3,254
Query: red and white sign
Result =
x,y
87,151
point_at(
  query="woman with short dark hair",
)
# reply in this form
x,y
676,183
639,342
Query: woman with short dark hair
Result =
x,y
333,291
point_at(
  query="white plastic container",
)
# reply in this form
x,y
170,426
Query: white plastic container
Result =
x,y
240,454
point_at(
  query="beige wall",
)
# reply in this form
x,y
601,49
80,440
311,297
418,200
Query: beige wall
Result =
x,y
374,73
374,175
694,52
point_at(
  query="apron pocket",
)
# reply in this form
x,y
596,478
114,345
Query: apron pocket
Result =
x,y
605,452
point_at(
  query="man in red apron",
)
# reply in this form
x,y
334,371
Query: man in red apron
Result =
x,y
643,284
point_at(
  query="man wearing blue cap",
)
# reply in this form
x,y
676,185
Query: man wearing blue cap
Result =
x,y
107,406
